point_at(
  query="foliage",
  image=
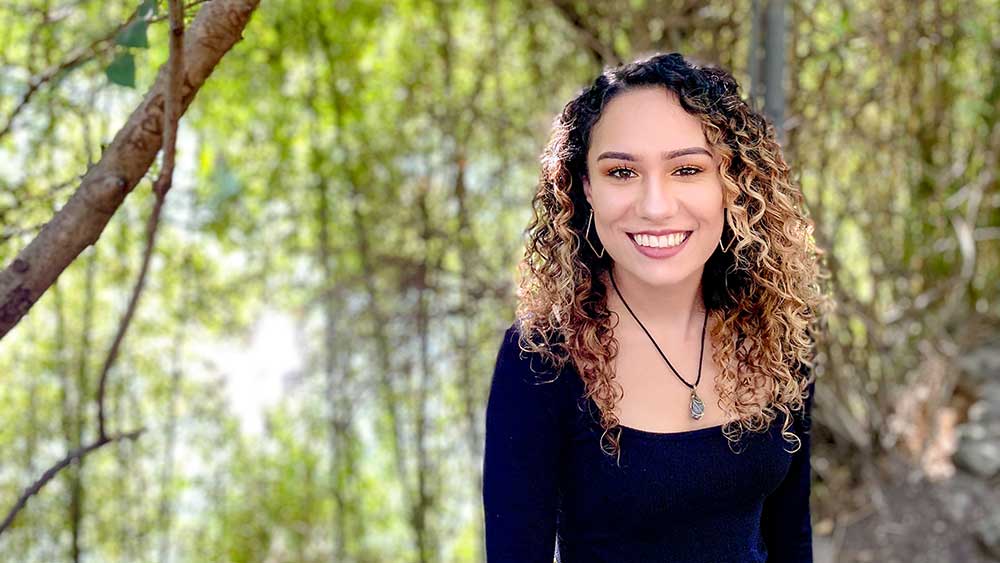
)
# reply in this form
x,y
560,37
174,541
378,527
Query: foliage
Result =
x,y
364,169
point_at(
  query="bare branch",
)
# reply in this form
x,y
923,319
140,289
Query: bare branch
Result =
x,y
51,472
171,116
602,52
216,28
172,103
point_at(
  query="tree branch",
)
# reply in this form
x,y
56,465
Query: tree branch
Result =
x,y
51,472
171,116
216,28
604,54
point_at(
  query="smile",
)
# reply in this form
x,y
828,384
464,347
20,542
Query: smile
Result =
x,y
664,241
660,247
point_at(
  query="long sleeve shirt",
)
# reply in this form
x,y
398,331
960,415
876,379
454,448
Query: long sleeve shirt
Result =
x,y
680,497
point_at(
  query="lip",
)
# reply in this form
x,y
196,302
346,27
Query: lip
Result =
x,y
650,252
661,232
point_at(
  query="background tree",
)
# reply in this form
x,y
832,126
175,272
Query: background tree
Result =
x,y
335,265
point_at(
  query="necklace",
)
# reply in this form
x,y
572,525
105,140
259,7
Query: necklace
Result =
x,y
697,407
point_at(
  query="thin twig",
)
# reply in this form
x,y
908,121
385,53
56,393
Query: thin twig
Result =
x,y
603,52
187,7
79,56
76,57
171,106
51,472
171,115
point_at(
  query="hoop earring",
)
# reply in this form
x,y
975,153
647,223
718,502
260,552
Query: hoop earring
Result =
x,y
725,249
586,235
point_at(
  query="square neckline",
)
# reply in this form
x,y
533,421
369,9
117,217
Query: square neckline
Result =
x,y
675,435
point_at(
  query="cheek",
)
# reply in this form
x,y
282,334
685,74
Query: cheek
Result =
x,y
714,201
709,208
611,206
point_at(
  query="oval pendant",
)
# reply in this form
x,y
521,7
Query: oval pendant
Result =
x,y
697,407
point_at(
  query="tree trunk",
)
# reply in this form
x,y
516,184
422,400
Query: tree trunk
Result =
x,y
166,509
774,67
336,390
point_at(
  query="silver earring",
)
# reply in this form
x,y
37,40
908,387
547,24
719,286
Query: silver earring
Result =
x,y
586,235
725,248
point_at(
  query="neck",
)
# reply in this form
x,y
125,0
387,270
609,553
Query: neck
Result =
x,y
677,309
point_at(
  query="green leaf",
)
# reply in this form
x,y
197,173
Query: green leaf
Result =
x,y
148,8
134,34
121,71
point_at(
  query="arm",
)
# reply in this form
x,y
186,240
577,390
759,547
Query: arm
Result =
x,y
785,521
520,463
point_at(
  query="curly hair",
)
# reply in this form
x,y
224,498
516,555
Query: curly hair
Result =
x,y
765,290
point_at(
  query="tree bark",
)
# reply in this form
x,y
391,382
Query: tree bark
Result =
x,y
774,66
216,28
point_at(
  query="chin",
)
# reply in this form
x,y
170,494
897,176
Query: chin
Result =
x,y
664,272
662,275
671,278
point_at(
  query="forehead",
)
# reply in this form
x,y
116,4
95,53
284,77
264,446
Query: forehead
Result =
x,y
645,120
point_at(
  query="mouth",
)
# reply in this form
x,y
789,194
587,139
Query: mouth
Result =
x,y
663,246
672,240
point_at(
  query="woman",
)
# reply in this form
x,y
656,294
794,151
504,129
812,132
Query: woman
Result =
x,y
665,223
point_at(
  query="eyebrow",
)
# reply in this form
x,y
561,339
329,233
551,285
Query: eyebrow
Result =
x,y
668,155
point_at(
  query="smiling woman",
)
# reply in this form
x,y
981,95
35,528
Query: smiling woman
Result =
x,y
671,199
665,224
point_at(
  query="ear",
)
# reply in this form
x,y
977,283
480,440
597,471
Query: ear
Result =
x,y
586,190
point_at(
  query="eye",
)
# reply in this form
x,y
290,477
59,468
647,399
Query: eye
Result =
x,y
692,170
616,172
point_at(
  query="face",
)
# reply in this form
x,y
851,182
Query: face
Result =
x,y
650,170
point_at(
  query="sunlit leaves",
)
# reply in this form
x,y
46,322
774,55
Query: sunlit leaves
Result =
x,y
364,105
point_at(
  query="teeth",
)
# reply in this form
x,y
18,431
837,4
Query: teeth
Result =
x,y
665,241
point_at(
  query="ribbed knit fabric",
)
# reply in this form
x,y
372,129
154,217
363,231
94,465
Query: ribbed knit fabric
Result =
x,y
681,497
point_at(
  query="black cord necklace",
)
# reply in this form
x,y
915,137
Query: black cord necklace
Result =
x,y
697,407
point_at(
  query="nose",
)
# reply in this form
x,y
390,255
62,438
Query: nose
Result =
x,y
658,200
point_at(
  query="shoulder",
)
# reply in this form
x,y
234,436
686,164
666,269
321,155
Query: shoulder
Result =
x,y
512,360
525,375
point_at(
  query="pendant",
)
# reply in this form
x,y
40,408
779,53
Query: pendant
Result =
x,y
697,407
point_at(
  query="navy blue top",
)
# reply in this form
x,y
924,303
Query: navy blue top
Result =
x,y
685,497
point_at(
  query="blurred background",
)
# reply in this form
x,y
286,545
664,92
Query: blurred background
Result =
x,y
335,267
